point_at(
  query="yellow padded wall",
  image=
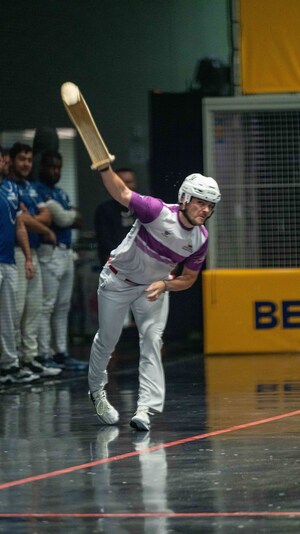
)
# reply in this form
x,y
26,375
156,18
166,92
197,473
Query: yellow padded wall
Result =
x,y
251,311
270,46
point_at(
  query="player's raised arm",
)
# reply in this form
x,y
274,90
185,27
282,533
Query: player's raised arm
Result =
x,y
115,186
81,117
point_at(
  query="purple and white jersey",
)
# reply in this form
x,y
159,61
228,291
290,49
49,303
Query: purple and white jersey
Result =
x,y
157,242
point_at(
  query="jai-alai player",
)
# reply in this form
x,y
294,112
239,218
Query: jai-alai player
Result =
x,y
138,274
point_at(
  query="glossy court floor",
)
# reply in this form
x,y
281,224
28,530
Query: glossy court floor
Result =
x,y
222,458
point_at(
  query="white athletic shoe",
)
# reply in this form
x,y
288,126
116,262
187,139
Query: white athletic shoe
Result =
x,y
106,413
15,375
141,419
36,367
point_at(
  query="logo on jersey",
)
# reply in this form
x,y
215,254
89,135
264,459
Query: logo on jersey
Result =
x,y
188,247
12,196
32,193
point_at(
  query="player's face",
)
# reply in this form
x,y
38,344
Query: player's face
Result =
x,y
198,210
51,171
22,165
6,164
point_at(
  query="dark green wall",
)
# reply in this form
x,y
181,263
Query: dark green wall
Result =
x,y
116,51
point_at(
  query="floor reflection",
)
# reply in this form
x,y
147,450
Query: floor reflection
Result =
x,y
257,385
45,428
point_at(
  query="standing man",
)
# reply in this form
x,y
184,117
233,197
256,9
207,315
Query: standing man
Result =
x,y
57,267
138,276
29,297
12,228
112,220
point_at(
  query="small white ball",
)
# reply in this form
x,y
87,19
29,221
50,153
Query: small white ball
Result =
x,y
70,93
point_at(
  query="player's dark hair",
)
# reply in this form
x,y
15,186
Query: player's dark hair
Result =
x,y
50,154
1,151
17,148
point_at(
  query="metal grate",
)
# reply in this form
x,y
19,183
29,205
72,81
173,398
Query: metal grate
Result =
x,y
252,148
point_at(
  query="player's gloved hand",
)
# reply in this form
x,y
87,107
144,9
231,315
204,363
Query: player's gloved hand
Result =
x,y
155,289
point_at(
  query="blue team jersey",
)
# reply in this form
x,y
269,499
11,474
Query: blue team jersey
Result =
x,y
63,235
9,207
33,202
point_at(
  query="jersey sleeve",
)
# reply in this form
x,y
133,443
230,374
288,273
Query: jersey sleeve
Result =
x,y
146,208
60,216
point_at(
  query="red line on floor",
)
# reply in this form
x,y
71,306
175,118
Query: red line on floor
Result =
x,y
67,470
155,514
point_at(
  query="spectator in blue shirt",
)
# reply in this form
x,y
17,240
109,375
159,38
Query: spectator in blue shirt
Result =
x,y
12,228
29,296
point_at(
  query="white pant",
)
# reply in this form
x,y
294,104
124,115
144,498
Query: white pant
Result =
x,y
8,316
57,266
29,307
115,298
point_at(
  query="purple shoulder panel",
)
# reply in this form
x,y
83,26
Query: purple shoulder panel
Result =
x,y
146,208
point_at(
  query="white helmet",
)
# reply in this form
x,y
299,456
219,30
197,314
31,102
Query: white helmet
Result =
x,y
199,186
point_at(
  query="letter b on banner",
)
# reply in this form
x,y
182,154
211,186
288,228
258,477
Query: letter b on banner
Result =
x,y
265,314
